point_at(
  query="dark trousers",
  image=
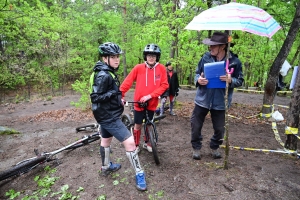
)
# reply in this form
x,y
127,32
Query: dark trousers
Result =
x,y
197,120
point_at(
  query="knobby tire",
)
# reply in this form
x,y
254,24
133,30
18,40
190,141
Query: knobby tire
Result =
x,y
86,127
127,121
153,140
83,143
22,168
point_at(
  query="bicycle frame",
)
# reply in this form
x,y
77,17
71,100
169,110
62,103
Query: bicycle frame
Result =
x,y
82,140
149,123
31,163
150,131
154,119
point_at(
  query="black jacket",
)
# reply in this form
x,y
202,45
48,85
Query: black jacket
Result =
x,y
106,96
173,85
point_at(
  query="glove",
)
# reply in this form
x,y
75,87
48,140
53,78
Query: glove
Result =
x,y
145,98
176,94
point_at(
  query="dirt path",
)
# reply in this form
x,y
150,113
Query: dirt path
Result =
x,y
48,125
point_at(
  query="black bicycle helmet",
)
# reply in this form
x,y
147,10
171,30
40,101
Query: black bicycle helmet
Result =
x,y
168,64
152,49
109,48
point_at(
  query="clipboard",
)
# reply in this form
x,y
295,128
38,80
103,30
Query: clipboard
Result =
x,y
212,72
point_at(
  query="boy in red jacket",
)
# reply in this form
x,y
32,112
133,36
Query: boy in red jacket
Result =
x,y
151,81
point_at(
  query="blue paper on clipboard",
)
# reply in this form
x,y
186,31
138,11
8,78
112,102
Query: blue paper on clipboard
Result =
x,y
212,72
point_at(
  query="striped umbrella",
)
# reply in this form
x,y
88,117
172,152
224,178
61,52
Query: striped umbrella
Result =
x,y
236,16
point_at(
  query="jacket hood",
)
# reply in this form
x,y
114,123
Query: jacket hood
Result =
x,y
100,66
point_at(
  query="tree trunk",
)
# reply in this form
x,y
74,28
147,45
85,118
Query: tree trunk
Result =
x,y
124,41
270,87
174,33
295,56
292,121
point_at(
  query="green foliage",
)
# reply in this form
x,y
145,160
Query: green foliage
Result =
x,y
46,182
8,131
83,88
51,45
12,194
44,185
65,195
101,197
157,195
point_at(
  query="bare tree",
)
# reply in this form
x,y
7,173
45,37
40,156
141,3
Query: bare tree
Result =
x,y
292,121
270,87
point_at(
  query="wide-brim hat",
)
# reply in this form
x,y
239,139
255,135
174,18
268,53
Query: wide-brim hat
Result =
x,y
216,39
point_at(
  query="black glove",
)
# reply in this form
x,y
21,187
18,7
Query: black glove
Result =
x,y
176,94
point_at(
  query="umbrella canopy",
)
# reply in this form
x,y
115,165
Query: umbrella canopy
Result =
x,y
236,16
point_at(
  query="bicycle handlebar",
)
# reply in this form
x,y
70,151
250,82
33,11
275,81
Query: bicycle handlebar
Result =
x,y
141,104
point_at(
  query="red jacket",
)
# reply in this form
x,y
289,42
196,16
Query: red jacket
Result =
x,y
151,81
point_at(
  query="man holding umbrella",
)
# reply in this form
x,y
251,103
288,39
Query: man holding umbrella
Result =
x,y
213,99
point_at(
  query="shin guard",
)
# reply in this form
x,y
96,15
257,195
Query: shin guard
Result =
x,y
137,136
134,160
105,156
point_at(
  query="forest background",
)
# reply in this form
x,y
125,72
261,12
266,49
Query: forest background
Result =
x,y
49,46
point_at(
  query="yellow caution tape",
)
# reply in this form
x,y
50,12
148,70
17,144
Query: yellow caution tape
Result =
x,y
285,151
277,137
281,106
267,114
253,116
291,130
260,91
234,117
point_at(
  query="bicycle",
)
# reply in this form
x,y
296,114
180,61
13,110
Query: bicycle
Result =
x,y
148,126
88,127
27,165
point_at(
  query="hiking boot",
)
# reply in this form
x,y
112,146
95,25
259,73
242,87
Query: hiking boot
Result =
x,y
112,168
196,154
215,154
147,146
140,180
172,113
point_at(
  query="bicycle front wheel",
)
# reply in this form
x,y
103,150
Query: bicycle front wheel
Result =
x,y
88,127
153,139
84,142
22,168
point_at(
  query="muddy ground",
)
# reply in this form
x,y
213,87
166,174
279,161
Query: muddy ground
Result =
x,y
252,174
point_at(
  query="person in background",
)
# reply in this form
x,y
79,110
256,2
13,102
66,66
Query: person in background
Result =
x,y
213,99
151,81
172,91
107,108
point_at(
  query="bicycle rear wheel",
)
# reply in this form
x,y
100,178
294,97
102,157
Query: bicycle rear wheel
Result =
x,y
127,121
87,141
88,127
153,139
22,168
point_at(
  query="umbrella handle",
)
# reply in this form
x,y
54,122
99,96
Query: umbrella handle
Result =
x,y
231,70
